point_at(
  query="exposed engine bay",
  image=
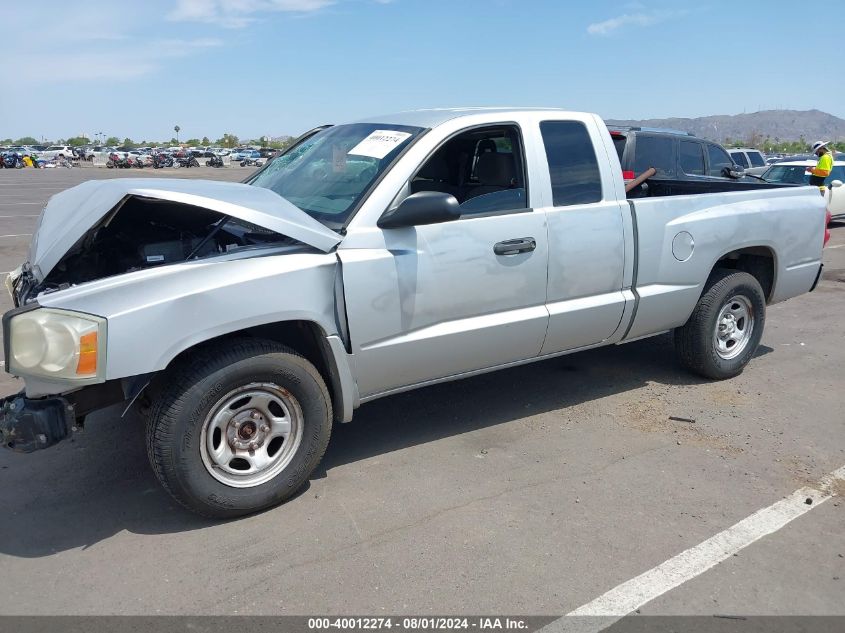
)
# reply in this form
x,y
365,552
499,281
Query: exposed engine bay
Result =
x,y
142,233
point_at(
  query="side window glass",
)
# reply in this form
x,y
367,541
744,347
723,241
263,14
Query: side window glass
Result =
x,y
739,158
654,151
691,158
483,168
573,168
718,159
756,159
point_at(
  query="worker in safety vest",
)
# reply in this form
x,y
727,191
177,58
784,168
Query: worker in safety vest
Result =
x,y
823,167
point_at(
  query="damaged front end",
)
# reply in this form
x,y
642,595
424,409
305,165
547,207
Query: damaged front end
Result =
x,y
29,425
143,233
93,322
105,228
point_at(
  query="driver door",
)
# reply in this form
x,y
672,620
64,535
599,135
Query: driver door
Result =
x,y
435,301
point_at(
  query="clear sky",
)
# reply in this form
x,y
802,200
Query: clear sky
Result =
x,y
256,67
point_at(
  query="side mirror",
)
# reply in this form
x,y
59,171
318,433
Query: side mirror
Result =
x,y
423,207
734,171
836,183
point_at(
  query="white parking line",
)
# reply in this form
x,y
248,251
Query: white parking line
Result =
x,y
17,235
22,215
631,595
16,203
836,246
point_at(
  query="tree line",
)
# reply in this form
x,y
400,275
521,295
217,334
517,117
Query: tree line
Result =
x,y
770,145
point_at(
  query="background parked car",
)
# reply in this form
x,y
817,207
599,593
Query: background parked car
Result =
x,y
685,164
795,172
752,160
52,151
98,152
250,155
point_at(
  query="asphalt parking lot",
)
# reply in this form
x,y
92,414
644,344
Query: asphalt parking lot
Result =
x,y
534,490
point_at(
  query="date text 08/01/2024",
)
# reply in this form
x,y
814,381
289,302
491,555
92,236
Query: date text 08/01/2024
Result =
x,y
421,623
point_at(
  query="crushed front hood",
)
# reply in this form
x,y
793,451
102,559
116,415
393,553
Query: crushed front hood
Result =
x,y
71,213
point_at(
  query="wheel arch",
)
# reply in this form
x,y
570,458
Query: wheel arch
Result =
x,y
326,352
758,261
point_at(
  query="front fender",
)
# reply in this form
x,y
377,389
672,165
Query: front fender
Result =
x,y
154,315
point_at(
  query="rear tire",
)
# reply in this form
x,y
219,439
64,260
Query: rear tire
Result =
x,y
723,331
216,429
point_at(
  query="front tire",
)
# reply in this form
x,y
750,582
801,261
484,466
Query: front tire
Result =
x,y
723,331
238,430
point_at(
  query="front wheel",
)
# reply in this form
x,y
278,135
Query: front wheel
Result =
x,y
725,328
238,430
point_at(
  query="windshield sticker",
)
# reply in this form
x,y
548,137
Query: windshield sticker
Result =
x,y
379,143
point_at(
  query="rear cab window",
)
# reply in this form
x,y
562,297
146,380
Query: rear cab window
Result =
x,y
573,167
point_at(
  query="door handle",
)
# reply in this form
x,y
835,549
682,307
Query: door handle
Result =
x,y
512,247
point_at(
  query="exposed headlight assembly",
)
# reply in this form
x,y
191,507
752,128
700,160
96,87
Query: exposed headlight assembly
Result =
x,y
58,345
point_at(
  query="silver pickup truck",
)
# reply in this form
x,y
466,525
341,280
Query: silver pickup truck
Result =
x,y
372,258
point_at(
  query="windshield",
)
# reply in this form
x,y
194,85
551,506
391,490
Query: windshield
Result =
x,y
328,174
797,174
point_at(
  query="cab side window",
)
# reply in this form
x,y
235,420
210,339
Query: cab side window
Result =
x,y
739,158
691,158
717,159
756,159
484,168
654,151
573,168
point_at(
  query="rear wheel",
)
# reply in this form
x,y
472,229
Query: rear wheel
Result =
x,y
725,328
235,431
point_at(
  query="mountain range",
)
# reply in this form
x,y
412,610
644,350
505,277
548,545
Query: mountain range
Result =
x,y
778,125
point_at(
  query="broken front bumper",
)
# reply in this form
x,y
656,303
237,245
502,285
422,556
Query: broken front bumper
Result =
x,y
30,425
